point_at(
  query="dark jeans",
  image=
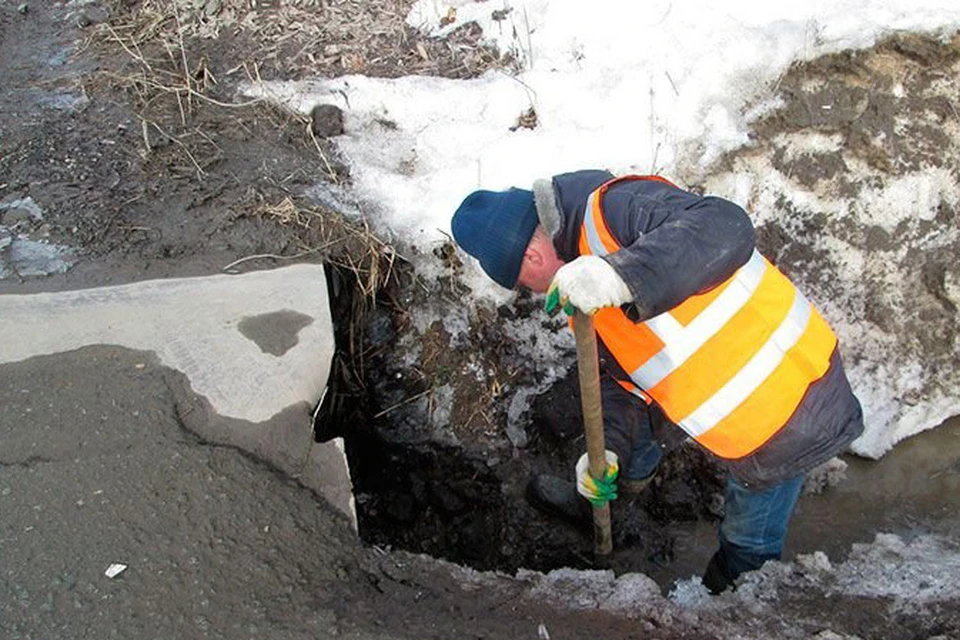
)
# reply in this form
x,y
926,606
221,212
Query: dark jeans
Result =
x,y
646,454
754,523
753,529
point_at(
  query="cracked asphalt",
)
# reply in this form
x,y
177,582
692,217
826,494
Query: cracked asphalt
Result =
x,y
95,469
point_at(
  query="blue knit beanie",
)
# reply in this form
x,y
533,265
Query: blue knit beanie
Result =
x,y
495,227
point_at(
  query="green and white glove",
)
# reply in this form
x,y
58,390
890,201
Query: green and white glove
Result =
x,y
598,491
588,283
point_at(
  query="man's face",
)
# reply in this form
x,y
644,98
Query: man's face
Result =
x,y
540,263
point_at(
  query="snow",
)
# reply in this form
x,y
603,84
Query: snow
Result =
x,y
920,571
915,195
908,576
665,86
898,383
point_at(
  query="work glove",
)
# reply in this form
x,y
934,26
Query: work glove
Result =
x,y
598,491
588,283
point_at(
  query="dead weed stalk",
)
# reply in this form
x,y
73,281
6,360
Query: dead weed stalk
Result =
x,y
169,71
339,242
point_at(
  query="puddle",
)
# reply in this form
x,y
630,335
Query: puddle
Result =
x,y
913,490
275,333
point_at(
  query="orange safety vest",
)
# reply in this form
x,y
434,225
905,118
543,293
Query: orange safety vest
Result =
x,y
729,365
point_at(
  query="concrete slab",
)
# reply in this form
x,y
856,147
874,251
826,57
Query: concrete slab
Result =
x,y
255,352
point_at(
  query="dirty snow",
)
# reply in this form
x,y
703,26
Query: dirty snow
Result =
x,y
909,576
665,87
29,258
902,386
21,255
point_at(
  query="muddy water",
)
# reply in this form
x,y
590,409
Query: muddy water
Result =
x,y
913,490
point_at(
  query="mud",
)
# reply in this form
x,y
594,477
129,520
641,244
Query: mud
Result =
x,y
139,191
454,503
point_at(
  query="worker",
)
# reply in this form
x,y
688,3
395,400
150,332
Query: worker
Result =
x,y
694,325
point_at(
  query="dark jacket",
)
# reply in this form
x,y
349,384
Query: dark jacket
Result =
x,y
676,244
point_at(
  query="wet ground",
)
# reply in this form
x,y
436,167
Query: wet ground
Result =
x,y
437,500
913,490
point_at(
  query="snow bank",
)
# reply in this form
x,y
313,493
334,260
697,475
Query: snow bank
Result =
x,y
666,87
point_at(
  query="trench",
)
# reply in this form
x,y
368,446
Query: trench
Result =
x,y
430,499
457,504
436,500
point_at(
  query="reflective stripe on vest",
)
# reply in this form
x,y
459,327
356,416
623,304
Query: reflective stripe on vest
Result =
x,y
729,365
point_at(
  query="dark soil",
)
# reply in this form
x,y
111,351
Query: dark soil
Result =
x,y
462,505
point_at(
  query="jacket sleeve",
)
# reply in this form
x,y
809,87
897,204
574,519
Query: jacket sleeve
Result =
x,y
674,243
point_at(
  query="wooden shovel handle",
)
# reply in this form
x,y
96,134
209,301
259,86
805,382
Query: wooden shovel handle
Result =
x,y
589,369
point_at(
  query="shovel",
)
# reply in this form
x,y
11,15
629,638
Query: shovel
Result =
x,y
589,370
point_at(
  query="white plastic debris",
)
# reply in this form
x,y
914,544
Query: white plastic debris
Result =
x,y
542,632
114,570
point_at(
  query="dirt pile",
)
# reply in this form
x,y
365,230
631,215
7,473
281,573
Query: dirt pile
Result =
x,y
852,182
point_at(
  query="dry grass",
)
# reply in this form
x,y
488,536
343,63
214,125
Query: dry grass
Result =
x,y
296,38
179,60
351,245
171,55
171,86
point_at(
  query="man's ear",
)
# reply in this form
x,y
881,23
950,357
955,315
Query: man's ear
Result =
x,y
533,256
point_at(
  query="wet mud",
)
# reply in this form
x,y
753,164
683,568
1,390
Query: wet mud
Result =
x,y
471,509
913,490
434,499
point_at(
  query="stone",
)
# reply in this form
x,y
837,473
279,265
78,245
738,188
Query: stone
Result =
x,y
327,120
15,215
31,258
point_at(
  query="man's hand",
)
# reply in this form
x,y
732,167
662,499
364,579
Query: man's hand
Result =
x,y
588,283
598,491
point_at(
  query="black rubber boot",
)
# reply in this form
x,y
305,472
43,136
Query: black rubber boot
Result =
x,y
718,577
631,488
557,497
